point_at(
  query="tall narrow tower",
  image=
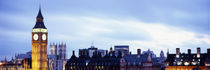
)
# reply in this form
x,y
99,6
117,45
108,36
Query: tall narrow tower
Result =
x,y
39,44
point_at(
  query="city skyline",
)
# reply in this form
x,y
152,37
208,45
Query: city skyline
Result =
x,y
140,24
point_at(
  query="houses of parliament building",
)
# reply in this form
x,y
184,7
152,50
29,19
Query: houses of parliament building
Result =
x,y
37,59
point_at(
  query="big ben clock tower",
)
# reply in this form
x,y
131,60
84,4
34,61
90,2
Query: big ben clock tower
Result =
x,y
39,44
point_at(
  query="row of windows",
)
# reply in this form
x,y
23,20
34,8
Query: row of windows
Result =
x,y
178,56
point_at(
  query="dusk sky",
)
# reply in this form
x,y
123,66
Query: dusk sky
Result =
x,y
146,24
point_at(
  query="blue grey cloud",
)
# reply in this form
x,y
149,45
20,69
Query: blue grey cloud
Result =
x,y
139,23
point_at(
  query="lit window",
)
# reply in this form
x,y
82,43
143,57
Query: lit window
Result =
x,y
177,56
207,64
71,67
194,63
179,63
86,64
174,63
186,63
198,55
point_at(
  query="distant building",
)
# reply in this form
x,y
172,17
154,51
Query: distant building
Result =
x,y
140,61
188,61
96,62
57,57
20,62
52,63
124,49
90,51
114,62
55,61
162,59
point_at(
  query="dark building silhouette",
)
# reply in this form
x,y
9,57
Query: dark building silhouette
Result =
x,y
188,61
124,49
96,62
139,61
111,61
90,51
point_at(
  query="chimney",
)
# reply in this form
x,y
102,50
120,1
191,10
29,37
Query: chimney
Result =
x,y
110,50
80,52
94,53
177,51
208,51
56,49
167,52
162,54
106,52
119,55
113,53
198,50
139,51
189,51
73,52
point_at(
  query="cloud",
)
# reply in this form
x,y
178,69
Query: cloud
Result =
x,y
14,41
156,36
139,23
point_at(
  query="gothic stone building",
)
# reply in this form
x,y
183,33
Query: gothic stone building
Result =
x,y
57,57
20,62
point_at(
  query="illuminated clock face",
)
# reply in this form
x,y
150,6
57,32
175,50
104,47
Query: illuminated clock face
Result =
x,y
44,37
35,36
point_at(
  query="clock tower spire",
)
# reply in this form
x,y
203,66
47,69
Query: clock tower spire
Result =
x,y
39,21
39,44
